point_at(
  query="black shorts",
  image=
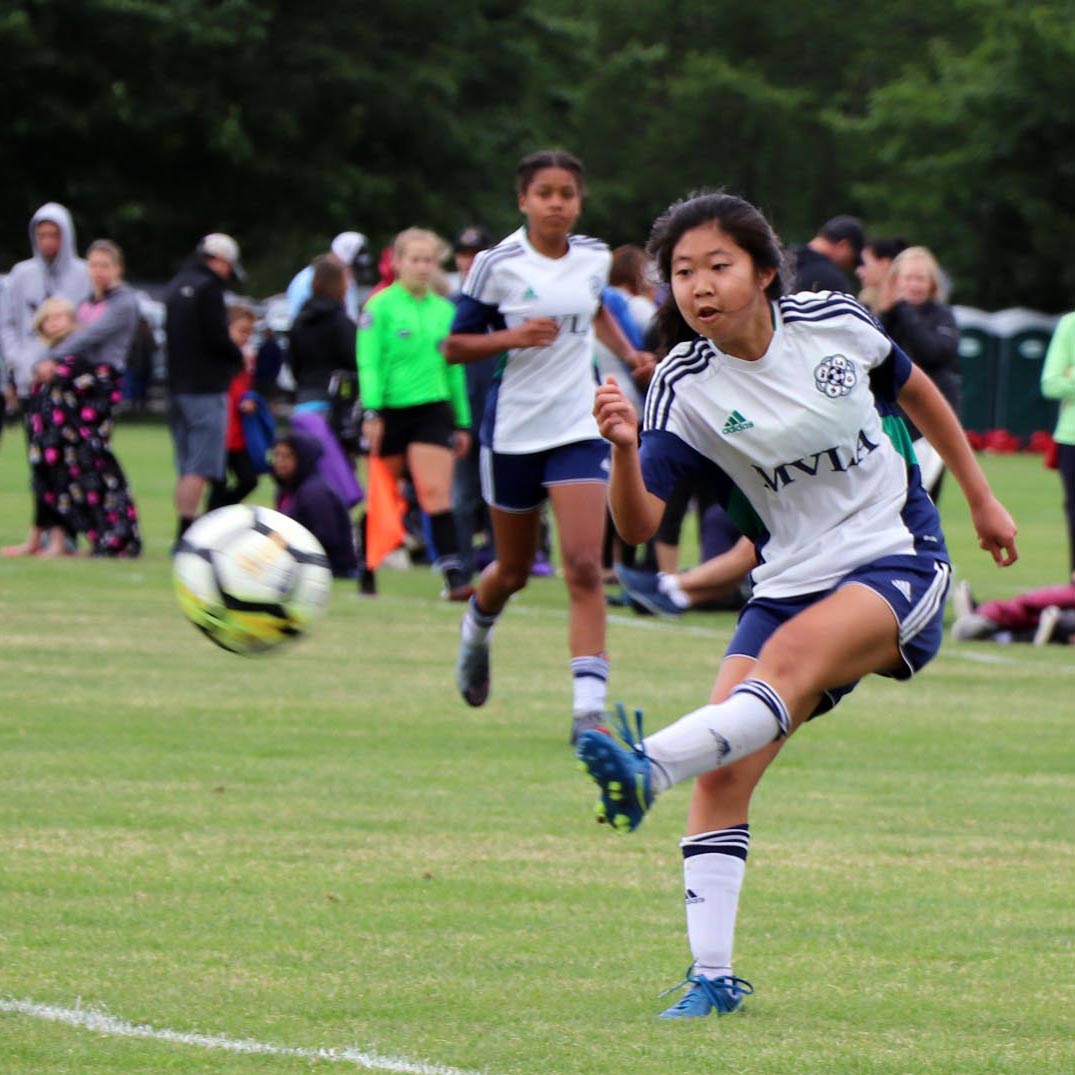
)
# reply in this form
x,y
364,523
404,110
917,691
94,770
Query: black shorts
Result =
x,y
426,423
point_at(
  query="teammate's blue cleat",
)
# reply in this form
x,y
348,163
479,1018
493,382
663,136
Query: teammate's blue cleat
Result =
x,y
722,994
622,772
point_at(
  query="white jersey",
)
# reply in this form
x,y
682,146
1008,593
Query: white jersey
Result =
x,y
543,396
802,445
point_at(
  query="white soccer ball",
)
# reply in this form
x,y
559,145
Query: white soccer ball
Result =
x,y
250,578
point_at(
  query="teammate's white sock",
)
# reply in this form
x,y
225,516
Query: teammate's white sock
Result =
x,y
717,735
477,625
668,584
590,683
713,867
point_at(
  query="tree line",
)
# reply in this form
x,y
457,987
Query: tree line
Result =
x,y
155,121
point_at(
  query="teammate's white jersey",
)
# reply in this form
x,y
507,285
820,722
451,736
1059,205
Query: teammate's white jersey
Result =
x,y
544,395
796,445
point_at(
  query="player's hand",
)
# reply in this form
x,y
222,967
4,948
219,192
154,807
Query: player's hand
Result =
x,y
44,371
616,417
247,406
461,444
537,332
996,531
373,434
642,370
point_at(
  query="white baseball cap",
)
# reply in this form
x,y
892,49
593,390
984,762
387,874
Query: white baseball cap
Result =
x,y
219,245
348,245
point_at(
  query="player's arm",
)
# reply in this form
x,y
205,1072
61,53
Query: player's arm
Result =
x,y
609,331
635,510
720,574
479,330
929,410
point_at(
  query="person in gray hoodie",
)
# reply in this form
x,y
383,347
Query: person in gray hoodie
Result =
x,y
54,270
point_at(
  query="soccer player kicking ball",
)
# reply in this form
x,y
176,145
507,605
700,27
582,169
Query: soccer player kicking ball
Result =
x,y
817,469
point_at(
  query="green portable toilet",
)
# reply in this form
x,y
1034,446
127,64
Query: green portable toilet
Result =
x,y
1023,338
979,357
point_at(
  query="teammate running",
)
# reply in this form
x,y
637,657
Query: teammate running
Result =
x,y
536,296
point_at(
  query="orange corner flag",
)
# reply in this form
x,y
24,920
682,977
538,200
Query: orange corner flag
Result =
x,y
385,509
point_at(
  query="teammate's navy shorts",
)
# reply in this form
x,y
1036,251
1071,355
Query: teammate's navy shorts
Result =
x,y
520,482
424,423
914,587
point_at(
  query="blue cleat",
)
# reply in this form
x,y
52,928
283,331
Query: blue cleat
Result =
x,y
722,995
623,773
644,590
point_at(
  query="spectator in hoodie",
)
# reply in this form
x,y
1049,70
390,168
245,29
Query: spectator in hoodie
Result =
x,y
308,499
239,463
202,359
54,270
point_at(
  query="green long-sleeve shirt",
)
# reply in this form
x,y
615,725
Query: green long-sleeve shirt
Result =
x,y
1058,378
400,363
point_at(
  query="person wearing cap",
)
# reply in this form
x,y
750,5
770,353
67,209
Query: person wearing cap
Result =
x,y
350,249
827,262
202,359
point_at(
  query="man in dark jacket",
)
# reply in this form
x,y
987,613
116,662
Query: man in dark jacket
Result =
x,y
202,359
827,262
308,499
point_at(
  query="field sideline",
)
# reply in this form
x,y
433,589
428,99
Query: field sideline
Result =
x,y
326,856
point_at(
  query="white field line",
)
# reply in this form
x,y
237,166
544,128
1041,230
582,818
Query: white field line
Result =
x,y
100,1022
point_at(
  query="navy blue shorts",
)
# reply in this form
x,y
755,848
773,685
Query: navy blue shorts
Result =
x,y
520,482
914,587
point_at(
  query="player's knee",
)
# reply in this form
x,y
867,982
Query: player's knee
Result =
x,y
511,576
582,573
787,657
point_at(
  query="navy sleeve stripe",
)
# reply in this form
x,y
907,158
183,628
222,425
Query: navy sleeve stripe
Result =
x,y
667,459
484,263
663,389
472,316
585,240
829,313
793,309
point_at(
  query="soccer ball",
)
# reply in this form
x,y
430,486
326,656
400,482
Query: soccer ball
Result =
x,y
250,578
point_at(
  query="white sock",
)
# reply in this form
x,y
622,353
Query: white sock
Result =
x,y
477,625
590,683
669,585
715,735
713,867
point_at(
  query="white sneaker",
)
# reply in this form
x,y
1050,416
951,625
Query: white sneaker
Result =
x,y
1046,625
962,600
972,626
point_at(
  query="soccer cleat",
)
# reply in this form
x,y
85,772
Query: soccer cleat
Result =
x,y
593,720
1047,622
973,626
963,603
722,994
472,672
643,588
623,773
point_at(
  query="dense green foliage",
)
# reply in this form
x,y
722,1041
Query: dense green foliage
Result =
x,y
158,120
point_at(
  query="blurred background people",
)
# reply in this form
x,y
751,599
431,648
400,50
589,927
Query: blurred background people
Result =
x,y
875,272
832,255
1058,382
351,251
918,319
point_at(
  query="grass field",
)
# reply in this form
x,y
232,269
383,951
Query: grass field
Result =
x,y
326,850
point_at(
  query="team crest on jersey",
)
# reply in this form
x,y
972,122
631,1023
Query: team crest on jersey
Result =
x,y
835,376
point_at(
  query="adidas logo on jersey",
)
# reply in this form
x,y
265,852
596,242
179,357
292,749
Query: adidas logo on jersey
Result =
x,y
736,424
530,293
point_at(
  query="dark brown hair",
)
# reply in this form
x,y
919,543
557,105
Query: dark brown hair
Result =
x,y
329,281
737,218
548,158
